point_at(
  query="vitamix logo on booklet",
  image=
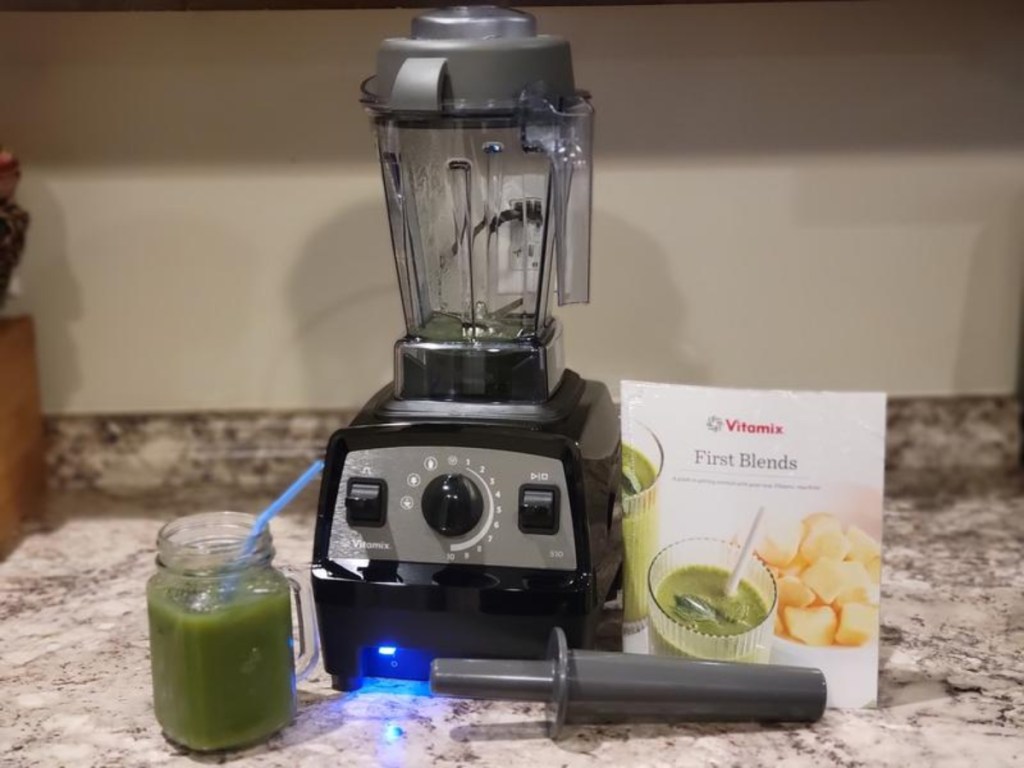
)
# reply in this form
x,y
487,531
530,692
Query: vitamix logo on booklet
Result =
x,y
753,528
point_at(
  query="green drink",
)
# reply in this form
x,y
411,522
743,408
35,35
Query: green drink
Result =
x,y
695,597
639,523
223,673
691,614
220,634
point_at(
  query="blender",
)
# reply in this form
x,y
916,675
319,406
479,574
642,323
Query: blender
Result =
x,y
470,507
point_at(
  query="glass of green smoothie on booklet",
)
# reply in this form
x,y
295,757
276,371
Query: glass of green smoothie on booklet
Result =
x,y
691,613
642,462
220,633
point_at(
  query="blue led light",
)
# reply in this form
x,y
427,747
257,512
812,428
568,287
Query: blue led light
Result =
x,y
393,733
389,686
395,662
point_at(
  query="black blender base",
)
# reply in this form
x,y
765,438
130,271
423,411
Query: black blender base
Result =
x,y
401,644
391,618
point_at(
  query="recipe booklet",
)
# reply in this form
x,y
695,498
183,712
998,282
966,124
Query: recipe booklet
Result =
x,y
798,474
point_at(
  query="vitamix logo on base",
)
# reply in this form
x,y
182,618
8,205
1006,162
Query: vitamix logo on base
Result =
x,y
715,424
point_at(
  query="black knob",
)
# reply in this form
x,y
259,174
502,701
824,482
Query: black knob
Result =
x,y
452,505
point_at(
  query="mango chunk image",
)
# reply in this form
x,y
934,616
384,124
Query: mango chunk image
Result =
x,y
795,568
858,587
874,569
859,594
858,623
824,540
826,577
835,573
820,519
855,574
862,546
794,592
780,625
780,543
811,626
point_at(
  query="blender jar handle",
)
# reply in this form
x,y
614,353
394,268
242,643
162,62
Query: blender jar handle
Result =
x,y
570,190
309,641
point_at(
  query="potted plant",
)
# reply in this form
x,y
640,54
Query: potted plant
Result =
x,y
13,221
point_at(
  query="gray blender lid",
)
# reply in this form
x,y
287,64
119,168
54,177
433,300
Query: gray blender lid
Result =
x,y
469,59
467,22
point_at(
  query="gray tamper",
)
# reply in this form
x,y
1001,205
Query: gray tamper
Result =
x,y
596,686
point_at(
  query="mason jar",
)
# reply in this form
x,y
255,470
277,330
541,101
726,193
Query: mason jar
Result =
x,y
221,634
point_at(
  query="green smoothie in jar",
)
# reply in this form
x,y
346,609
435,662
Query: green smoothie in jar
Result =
x,y
220,633
222,671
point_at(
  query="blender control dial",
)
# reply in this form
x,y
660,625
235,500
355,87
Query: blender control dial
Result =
x,y
452,505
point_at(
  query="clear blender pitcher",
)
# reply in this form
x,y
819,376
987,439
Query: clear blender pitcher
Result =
x,y
485,150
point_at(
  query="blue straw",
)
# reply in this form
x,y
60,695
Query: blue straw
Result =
x,y
282,501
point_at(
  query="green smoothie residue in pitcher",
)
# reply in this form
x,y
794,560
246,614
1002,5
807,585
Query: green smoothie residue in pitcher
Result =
x,y
222,663
695,597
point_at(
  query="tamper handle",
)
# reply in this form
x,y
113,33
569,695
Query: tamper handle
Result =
x,y
505,679
593,686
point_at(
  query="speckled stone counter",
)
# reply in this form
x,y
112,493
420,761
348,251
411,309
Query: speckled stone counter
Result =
x,y
251,450
74,666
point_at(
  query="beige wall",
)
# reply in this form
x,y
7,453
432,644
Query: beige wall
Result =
x,y
807,195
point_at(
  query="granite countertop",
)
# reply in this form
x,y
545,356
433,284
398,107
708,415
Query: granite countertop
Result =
x,y
74,663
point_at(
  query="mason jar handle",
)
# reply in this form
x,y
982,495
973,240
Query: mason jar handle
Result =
x,y
309,640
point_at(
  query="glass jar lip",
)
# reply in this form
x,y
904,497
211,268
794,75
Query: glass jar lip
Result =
x,y
208,542
633,444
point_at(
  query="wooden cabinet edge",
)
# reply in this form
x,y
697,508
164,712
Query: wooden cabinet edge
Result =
x,y
22,441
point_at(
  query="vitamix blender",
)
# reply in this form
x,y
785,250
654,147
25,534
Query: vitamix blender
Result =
x,y
470,508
